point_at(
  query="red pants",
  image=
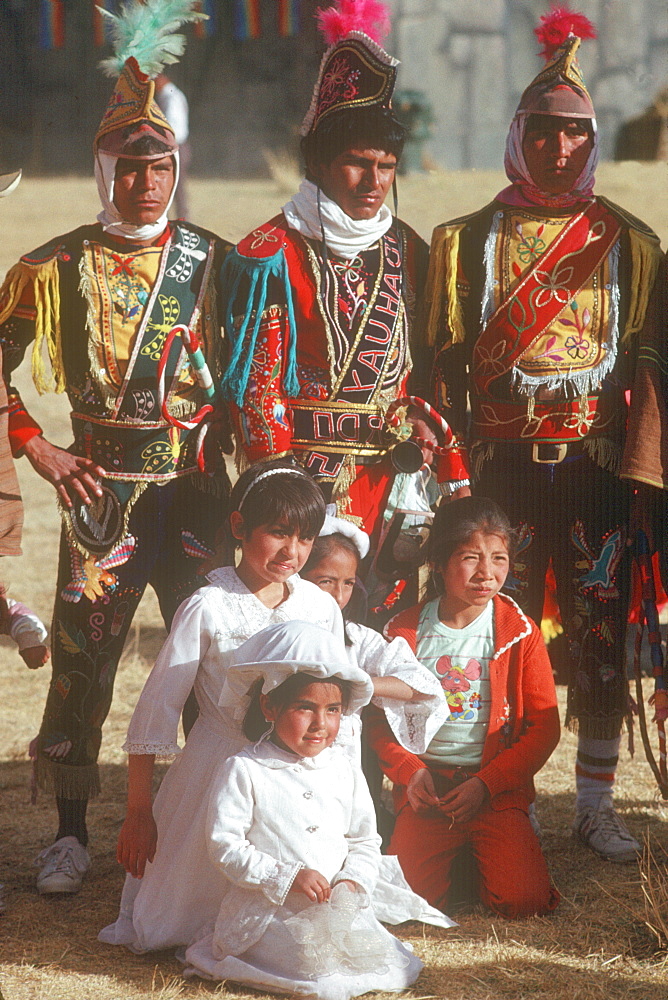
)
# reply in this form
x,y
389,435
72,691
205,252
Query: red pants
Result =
x,y
514,880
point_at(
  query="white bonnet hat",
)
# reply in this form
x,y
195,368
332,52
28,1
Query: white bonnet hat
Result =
x,y
338,526
279,651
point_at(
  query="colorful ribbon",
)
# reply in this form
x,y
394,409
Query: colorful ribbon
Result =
x,y
51,24
288,17
247,22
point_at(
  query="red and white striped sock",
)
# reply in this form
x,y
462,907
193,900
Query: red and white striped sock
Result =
x,y
595,767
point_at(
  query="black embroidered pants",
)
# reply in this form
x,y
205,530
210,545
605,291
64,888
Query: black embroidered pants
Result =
x,y
575,513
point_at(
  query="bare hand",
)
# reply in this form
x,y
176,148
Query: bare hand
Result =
x,y
421,792
74,477
312,884
137,841
34,656
465,801
423,430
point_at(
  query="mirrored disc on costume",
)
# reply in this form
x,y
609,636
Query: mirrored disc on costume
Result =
x,y
97,526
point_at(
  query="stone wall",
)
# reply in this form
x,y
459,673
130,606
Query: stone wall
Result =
x,y
475,57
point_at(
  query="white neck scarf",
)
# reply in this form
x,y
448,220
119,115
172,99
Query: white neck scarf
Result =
x,y
110,218
344,236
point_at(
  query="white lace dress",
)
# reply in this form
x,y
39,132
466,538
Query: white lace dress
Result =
x,y
272,813
181,889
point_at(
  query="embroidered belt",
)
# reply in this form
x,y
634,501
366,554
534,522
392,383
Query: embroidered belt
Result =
x,y
529,420
339,428
145,452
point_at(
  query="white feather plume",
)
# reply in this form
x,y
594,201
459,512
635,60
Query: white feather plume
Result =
x,y
148,31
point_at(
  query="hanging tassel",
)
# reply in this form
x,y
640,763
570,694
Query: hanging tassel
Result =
x,y
51,24
246,20
206,29
288,17
244,341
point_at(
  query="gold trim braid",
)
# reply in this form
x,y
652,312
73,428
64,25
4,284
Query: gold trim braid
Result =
x,y
44,280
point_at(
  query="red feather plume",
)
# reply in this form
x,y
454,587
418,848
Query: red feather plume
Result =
x,y
556,26
370,16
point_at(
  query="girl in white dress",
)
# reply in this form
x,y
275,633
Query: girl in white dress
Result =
x,y
172,888
291,827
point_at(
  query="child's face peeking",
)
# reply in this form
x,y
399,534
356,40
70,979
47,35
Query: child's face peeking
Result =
x,y
335,574
475,572
310,723
272,552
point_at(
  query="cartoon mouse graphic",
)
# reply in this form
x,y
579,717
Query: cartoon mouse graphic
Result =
x,y
456,681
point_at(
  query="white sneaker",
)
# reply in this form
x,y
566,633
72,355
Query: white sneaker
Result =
x,y
64,865
606,834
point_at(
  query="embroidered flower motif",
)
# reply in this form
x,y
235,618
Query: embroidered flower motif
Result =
x,y
349,270
263,236
530,248
338,84
553,285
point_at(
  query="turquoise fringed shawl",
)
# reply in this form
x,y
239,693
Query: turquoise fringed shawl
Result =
x,y
256,272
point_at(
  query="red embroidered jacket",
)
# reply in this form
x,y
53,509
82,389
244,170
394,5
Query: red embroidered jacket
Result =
x,y
321,346
524,720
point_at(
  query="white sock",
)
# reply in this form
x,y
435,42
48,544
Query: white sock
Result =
x,y
595,767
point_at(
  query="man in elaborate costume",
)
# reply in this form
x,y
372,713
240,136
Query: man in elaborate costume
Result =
x,y
321,299
138,494
538,304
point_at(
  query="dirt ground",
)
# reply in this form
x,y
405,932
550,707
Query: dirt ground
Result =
x,y
595,946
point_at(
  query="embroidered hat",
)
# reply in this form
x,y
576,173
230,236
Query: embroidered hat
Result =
x,y
145,39
279,651
355,71
559,89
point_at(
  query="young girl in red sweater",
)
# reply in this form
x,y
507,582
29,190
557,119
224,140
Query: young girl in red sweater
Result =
x,y
474,783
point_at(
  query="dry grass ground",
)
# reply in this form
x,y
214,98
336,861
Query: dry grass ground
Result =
x,y
595,946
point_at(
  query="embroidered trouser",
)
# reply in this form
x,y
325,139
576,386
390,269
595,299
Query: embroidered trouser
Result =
x,y
576,514
513,876
88,637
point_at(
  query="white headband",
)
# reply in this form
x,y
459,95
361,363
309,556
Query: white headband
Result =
x,y
264,475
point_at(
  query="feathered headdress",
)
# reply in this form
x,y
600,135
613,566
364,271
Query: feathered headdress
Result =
x,y
369,16
558,25
355,72
145,38
559,89
148,33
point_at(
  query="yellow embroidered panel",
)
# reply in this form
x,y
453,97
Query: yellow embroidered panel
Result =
x,y
119,287
577,342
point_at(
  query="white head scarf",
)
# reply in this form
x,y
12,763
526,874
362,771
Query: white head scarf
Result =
x,y
344,236
522,190
279,651
110,218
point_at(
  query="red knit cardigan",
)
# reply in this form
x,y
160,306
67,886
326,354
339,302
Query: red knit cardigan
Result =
x,y
524,720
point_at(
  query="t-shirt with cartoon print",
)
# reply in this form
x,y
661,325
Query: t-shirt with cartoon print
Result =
x,y
459,658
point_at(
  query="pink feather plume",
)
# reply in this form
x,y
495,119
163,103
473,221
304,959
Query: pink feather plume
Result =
x,y
370,16
557,25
